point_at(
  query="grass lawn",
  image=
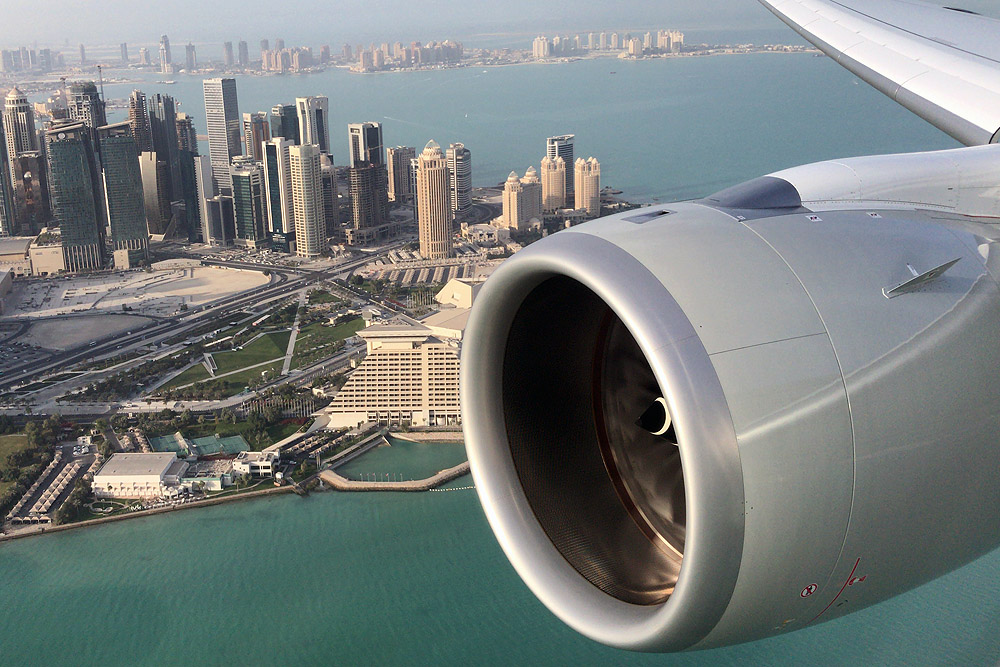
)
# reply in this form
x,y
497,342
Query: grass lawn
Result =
x,y
317,341
263,349
8,445
196,373
235,383
317,297
275,433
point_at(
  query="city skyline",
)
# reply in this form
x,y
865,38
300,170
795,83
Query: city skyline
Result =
x,y
397,20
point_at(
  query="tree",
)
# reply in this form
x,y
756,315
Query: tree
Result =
x,y
101,424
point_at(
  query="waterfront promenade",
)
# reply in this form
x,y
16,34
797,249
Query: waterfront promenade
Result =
x,y
339,483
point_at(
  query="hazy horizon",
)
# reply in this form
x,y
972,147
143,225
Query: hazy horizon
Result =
x,y
353,21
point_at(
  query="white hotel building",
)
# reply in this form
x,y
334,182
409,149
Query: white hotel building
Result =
x,y
410,375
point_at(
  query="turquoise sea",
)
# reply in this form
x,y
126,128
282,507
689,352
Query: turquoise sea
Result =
x,y
418,578
662,129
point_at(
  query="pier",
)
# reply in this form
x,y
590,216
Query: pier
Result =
x,y
339,483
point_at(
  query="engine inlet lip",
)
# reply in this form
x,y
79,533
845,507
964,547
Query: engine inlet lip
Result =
x,y
710,456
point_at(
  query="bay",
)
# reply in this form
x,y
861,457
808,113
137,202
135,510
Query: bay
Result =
x,y
419,578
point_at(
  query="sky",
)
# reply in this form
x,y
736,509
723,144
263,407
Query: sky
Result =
x,y
316,22
63,24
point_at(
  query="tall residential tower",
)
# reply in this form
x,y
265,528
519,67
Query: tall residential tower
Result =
x,y
434,215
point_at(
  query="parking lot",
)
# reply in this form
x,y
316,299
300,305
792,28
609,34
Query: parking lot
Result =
x,y
156,293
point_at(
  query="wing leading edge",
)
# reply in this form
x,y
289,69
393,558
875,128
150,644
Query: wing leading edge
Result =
x,y
942,64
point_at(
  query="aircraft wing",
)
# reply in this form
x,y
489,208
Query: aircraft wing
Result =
x,y
941,63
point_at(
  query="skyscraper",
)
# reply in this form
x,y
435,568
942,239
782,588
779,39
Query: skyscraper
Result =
x,y
331,205
228,58
433,203
18,127
74,187
365,143
243,59
31,192
86,105
190,57
218,219
255,132
414,191
398,162
8,219
285,122
163,130
123,193
144,56
459,177
278,192
314,121
587,174
307,200
562,146
225,138
155,176
165,59
248,201
187,138
553,183
369,199
83,55
138,120
124,52
522,200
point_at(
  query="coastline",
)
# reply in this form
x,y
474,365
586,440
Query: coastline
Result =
x,y
46,530
572,59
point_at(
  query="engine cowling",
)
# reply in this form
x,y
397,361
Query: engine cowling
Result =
x,y
824,446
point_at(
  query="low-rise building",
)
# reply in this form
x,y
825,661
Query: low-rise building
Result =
x,y
14,255
46,254
256,464
153,475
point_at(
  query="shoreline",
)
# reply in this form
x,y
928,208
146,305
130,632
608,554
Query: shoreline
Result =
x,y
89,523
579,58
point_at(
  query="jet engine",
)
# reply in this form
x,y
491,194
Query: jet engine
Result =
x,y
705,423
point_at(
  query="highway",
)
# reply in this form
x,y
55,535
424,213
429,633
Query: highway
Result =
x,y
285,281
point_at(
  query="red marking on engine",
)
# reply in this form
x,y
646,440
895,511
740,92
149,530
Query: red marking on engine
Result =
x,y
847,583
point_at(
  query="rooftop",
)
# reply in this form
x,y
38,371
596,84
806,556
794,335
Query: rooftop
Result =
x,y
254,457
15,245
449,322
121,465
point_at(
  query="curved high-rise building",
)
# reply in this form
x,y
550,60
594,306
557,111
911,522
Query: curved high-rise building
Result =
x,y
123,194
459,177
434,214
75,192
562,146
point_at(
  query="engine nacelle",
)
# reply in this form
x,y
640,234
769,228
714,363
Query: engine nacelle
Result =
x,y
831,432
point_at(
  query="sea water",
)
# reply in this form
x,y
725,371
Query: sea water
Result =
x,y
384,578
